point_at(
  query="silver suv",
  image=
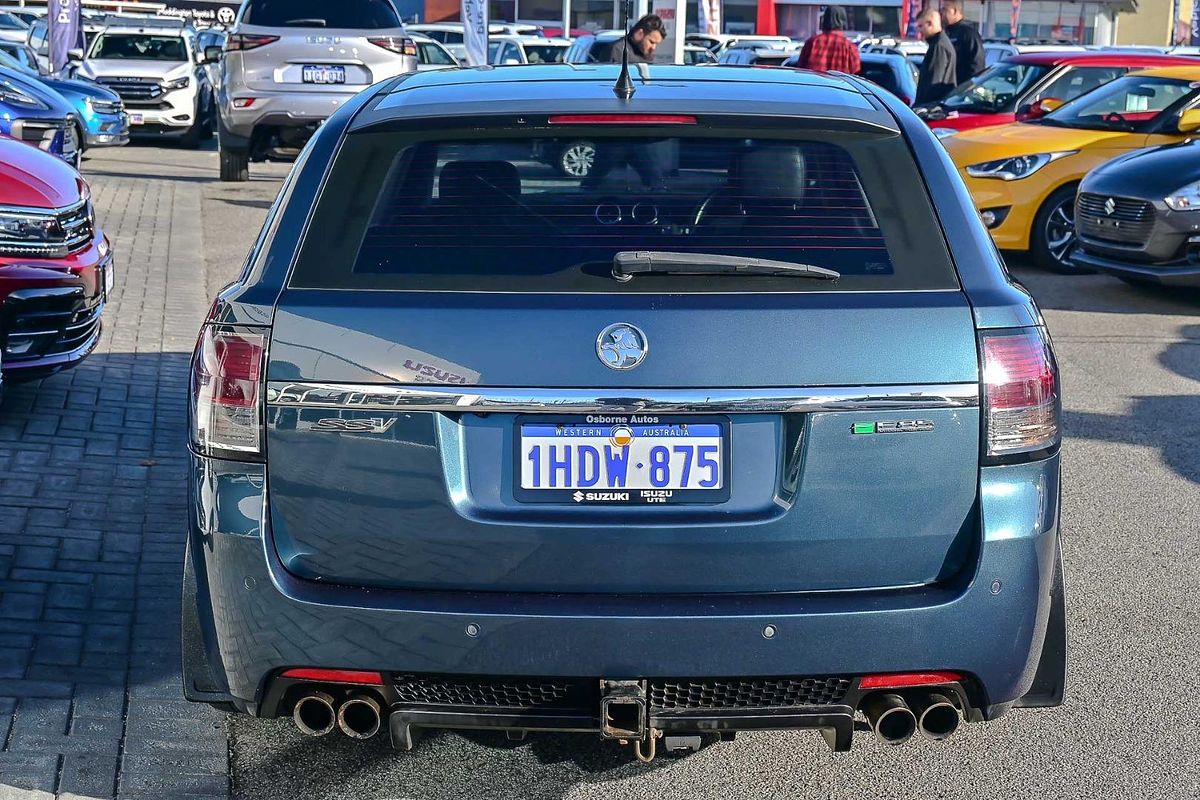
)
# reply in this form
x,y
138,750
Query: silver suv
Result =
x,y
289,64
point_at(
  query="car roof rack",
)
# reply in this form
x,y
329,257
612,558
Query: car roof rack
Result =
x,y
132,21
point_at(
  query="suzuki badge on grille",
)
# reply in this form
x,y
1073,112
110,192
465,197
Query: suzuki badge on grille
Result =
x,y
1110,206
621,346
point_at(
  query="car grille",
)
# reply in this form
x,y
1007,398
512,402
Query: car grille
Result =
x,y
40,323
742,693
1130,222
136,92
508,693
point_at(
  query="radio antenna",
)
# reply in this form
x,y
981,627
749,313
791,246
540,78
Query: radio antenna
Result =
x,y
624,87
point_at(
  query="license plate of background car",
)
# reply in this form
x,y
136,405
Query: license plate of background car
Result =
x,y
311,74
627,461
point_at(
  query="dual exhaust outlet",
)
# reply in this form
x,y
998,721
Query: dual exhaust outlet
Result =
x,y
895,720
317,714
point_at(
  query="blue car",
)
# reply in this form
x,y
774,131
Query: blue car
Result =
x,y
35,113
99,111
655,453
893,72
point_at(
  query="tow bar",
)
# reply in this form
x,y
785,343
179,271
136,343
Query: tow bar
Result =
x,y
623,716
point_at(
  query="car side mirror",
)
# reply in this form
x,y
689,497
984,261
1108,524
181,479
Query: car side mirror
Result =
x,y
1189,121
212,54
1041,108
75,55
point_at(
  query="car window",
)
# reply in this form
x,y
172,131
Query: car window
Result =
x,y
846,206
433,54
366,14
37,37
9,22
601,52
545,53
882,75
509,53
139,46
1079,80
1132,103
996,89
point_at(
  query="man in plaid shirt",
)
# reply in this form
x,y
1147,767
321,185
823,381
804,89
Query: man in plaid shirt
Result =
x,y
830,49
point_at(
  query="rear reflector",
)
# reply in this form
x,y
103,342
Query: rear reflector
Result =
x,y
900,680
1020,392
622,119
226,391
248,41
335,676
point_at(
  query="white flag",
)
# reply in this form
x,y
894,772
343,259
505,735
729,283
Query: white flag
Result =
x,y
475,31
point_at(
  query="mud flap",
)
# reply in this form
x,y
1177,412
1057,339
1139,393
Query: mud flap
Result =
x,y
201,683
1050,682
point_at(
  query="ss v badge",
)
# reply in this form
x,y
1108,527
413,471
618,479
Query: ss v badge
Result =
x,y
372,425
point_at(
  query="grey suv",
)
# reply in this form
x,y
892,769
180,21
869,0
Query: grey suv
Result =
x,y
289,64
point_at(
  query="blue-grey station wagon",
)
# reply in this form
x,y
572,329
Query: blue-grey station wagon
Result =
x,y
746,428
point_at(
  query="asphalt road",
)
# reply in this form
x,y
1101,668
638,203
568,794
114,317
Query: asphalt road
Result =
x,y
1131,373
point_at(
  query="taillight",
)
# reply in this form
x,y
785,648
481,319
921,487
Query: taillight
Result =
x,y
1021,402
622,119
226,412
248,41
395,44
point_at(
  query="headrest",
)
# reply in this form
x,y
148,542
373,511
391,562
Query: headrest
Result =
x,y
773,171
479,182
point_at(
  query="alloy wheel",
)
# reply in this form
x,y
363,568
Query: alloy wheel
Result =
x,y
1060,231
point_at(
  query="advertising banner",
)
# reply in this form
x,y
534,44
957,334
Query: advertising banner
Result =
x,y
475,31
66,32
1195,39
910,11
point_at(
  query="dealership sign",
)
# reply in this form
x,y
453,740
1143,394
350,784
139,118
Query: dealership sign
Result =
x,y
207,12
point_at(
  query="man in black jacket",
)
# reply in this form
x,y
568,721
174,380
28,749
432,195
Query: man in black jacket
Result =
x,y
968,44
937,72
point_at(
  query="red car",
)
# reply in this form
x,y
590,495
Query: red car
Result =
x,y
55,264
1016,88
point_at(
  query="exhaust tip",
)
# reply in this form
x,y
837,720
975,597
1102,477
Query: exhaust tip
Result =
x,y
939,717
359,717
890,717
313,714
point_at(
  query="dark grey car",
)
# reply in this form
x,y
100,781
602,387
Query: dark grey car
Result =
x,y
1138,216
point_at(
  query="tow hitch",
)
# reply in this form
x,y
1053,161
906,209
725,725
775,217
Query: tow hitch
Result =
x,y
624,717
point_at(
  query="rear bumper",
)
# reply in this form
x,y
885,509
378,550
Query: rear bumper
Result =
x,y
258,619
1178,273
293,109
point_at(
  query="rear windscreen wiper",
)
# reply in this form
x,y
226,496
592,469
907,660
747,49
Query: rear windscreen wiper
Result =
x,y
628,263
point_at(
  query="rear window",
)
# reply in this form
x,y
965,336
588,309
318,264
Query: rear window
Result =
x,y
881,75
366,14
551,213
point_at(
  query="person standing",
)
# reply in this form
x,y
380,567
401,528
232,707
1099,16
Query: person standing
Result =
x,y
645,37
938,75
970,59
830,50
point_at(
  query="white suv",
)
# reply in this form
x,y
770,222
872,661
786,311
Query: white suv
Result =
x,y
159,71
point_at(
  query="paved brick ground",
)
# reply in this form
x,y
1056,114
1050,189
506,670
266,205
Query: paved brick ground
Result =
x,y
92,503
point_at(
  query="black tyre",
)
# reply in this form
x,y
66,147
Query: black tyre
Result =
x,y
576,159
191,139
1052,240
235,166
210,121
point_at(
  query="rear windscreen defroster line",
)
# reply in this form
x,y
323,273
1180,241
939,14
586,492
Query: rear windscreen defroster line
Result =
x,y
549,212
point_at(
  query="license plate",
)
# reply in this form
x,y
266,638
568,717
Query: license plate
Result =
x,y
639,459
313,74
136,119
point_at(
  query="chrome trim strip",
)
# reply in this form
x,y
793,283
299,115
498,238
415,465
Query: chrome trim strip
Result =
x,y
370,397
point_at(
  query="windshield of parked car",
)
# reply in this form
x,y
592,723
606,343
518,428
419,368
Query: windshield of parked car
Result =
x,y
550,213
1134,103
545,53
8,62
138,46
16,56
432,53
361,14
9,22
996,89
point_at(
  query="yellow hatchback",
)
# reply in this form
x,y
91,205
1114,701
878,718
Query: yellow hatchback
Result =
x,y
1023,176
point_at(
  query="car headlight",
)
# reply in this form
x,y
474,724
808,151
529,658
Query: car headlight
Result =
x,y
1015,168
1186,198
178,83
31,234
943,133
11,93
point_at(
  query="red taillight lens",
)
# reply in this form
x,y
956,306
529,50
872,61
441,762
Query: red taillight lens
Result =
x,y
1020,392
900,680
395,44
244,102
247,41
335,676
226,413
622,119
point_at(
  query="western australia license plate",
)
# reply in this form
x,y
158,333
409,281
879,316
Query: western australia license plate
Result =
x,y
635,459
136,119
317,74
